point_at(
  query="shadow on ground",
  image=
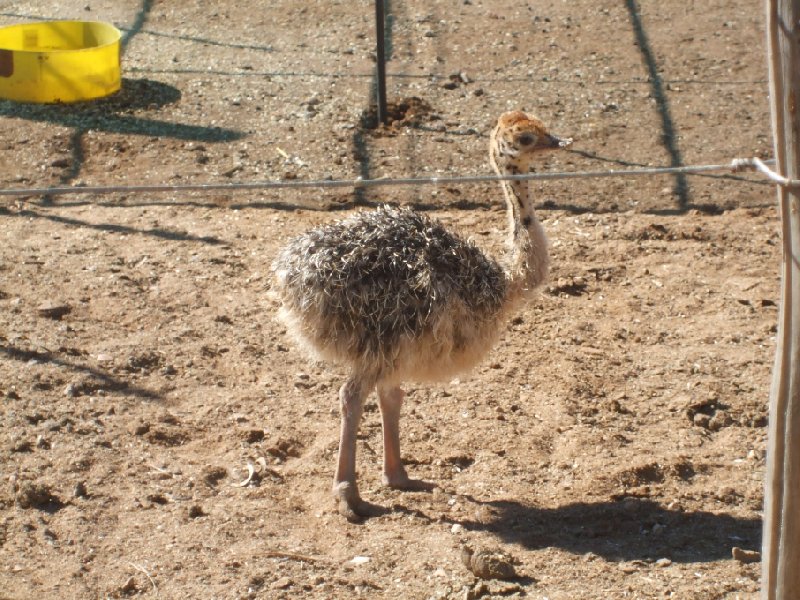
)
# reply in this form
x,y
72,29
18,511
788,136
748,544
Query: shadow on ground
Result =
x,y
109,114
100,379
164,234
629,529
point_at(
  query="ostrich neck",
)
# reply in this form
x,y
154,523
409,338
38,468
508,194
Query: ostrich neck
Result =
x,y
527,260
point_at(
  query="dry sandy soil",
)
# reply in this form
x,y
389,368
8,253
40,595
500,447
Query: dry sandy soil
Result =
x,y
612,444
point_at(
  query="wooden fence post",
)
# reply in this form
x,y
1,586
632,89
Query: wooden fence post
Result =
x,y
781,540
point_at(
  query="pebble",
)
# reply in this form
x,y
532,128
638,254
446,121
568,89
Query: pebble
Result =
x,y
719,420
21,445
745,556
53,310
129,587
253,436
156,498
80,490
281,583
140,429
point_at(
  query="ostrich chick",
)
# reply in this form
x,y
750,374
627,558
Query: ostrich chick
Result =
x,y
393,295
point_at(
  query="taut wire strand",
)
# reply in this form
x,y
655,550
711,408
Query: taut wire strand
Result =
x,y
735,165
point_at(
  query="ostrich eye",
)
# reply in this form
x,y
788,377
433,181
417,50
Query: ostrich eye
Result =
x,y
526,139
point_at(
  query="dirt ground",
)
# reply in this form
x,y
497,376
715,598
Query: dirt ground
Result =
x,y
612,444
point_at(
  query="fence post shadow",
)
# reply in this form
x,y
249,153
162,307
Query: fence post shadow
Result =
x,y
668,134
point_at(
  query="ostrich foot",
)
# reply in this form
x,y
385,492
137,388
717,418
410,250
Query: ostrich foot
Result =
x,y
350,505
401,481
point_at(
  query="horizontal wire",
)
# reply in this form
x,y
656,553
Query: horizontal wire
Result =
x,y
736,164
759,165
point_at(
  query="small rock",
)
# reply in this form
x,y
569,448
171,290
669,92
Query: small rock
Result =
x,y
157,499
488,564
169,419
719,420
727,495
53,310
479,590
80,490
663,562
745,556
701,420
360,560
504,589
303,384
140,429
253,436
71,391
282,583
129,587
52,425
20,446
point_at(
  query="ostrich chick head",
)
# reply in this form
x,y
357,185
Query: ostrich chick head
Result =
x,y
517,138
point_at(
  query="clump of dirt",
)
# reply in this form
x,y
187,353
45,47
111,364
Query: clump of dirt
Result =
x,y
405,112
39,496
488,563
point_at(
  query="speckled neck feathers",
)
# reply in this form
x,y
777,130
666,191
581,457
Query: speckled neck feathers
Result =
x,y
527,261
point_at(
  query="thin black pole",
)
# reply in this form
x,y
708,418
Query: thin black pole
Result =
x,y
380,23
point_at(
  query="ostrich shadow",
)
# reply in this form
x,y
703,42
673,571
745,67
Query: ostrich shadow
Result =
x,y
629,529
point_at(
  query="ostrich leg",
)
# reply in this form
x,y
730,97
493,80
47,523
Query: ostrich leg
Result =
x,y
394,474
345,490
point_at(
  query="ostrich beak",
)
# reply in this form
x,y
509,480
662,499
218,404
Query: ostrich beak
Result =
x,y
554,141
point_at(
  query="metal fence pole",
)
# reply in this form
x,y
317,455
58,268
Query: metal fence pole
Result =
x,y
380,55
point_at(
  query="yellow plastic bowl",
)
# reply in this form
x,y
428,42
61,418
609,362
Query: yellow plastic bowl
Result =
x,y
59,61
